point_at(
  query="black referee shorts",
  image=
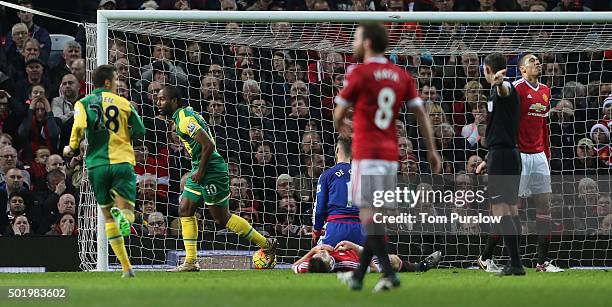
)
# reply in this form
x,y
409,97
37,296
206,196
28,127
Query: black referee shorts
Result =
x,y
504,175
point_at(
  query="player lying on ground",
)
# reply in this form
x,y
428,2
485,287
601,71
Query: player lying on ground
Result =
x,y
345,258
208,183
533,143
332,207
377,90
110,123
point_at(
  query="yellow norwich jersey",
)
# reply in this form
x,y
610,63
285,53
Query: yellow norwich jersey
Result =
x,y
109,122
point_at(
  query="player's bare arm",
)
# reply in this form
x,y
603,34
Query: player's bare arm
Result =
x,y
427,132
208,146
312,251
348,245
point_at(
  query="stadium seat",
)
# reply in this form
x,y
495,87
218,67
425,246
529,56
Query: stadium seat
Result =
x,y
57,47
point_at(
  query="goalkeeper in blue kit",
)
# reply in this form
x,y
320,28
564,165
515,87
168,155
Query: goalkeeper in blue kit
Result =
x,y
333,208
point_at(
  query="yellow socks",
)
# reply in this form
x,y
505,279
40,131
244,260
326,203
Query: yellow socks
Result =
x,y
245,230
189,227
116,241
129,215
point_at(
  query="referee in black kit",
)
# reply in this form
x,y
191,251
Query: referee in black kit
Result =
x,y
504,160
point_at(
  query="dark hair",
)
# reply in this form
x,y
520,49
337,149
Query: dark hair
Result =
x,y
55,173
377,34
24,2
345,145
317,265
171,92
522,57
496,61
16,194
103,73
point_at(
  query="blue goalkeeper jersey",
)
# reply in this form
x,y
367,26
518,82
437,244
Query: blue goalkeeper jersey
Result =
x,y
332,201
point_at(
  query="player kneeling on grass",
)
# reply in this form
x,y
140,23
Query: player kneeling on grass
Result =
x,y
345,258
109,122
208,183
332,206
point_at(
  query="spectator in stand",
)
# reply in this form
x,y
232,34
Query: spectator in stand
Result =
x,y
429,94
600,134
8,160
146,163
146,189
436,114
295,72
157,225
78,70
250,92
210,88
405,146
74,168
71,52
598,213
124,91
38,169
586,113
39,128
49,197
182,5
143,210
107,5
285,187
472,93
15,45
195,66
605,227
452,149
15,206
35,31
5,140
472,164
240,189
35,75
30,50
307,183
15,185
588,194
122,67
571,5
264,170
228,5
585,161
63,106
561,134
311,143
537,6
20,226
479,114
66,226
554,78
9,116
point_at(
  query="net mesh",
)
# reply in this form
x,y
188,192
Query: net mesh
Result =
x,y
266,90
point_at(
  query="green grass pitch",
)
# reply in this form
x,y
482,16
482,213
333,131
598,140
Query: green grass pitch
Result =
x,y
442,287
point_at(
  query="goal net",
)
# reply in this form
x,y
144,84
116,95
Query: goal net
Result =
x,y
266,89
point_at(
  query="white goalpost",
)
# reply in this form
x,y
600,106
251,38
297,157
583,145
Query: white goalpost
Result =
x,y
263,55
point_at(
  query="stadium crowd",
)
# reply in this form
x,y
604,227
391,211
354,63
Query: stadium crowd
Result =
x,y
270,113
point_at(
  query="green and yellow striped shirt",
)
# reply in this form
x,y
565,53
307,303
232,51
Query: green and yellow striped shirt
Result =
x,y
188,123
109,123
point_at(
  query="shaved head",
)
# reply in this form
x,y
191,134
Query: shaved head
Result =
x,y
525,59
